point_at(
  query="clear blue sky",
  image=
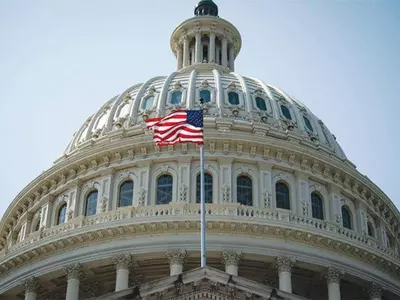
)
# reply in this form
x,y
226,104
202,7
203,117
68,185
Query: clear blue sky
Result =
x,y
61,60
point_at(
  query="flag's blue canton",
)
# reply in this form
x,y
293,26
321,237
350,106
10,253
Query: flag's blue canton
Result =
x,y
195,117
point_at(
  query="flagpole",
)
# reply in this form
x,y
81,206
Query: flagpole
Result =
x,y
203,209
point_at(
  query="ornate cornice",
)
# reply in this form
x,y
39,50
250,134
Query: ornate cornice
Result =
x,y
176,256
231,257
333,275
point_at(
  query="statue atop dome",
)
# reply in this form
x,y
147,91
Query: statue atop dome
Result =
x,y
206,8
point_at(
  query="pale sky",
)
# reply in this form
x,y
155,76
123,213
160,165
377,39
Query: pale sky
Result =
x,y
61,60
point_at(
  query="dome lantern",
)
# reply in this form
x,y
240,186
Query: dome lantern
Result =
x,y
206,39
206,8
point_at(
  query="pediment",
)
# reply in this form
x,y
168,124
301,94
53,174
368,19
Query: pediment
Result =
x,y
202,283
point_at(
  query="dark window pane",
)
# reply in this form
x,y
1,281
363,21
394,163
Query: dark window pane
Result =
x,y
317,206
208,188
164,189
286,112
308,123
91,204
370,229
37,227
244,190
346,217
206,95
61,214
233,98
282,196
176,97
260,102
126,194
148,102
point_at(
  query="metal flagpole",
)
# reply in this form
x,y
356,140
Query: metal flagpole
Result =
x,y
203,210
202,201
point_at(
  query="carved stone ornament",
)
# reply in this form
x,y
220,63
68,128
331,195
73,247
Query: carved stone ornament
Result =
x,y
31,285
176,256
205,84
232,86
285,263
267,199
183,191
135,279
333,275
122,261
226,193
231,257
103,204
375,291
304,206
74,271
177,85
70,214
142,197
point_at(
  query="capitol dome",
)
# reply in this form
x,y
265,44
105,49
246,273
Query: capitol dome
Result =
x,y
117,217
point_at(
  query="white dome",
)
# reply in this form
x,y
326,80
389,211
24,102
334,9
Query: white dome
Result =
x,y
126,111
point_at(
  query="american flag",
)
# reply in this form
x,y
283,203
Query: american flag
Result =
x,y
180,126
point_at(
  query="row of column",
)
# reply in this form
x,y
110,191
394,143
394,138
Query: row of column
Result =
x,y
230,258
183,53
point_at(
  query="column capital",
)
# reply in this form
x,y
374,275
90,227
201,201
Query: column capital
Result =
x,y
122,261
231,257
375,291
176,256
31,285
334,275
285,263
74,271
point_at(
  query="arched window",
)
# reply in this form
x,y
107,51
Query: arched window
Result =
x,y
260,102
233,98
317,206
37,226
208,188
61,214
206,95
371,231
126,194
244,190
91,203
148,102
176,97
346,216
282,196
308,123
164,189
286,112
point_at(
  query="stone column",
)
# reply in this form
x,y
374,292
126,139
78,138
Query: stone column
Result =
x,y
31,286
122,263
211,50
375,292
224,50
179,57
333,277
185,51
197,49
231,58
231,260
284,264
176,259
74,274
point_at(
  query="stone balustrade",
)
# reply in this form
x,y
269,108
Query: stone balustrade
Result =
x,y
190,212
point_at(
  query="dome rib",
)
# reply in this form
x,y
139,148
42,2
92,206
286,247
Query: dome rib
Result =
x,y
248,101
191,91
218,84
164,92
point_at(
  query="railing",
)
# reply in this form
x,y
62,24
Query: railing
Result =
x,y
235,212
